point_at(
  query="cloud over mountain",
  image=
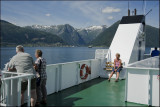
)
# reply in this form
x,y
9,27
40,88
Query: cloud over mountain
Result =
x,y
110,10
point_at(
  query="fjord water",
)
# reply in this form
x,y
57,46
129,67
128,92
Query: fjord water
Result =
x,y
53,55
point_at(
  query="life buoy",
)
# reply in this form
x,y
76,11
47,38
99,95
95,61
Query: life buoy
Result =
x,y
88,71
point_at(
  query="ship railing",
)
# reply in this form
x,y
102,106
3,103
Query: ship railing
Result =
x,y
9,88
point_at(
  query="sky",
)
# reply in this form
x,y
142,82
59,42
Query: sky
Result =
x,y
79,14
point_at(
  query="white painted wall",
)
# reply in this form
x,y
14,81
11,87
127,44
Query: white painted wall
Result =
x,y
137,86
142,84
65,75
135,52
124,41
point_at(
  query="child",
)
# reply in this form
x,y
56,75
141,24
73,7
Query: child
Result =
x,y
117,67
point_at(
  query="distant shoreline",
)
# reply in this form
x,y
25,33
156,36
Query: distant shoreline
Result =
x,y
58,46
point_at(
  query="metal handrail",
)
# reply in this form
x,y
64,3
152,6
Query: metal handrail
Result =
x,y
16,77
5,85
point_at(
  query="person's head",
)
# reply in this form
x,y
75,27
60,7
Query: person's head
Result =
x,y
38,53
155,48
117,55
19,48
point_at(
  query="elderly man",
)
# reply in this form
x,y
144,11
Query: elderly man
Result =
x,y
0,85
23,63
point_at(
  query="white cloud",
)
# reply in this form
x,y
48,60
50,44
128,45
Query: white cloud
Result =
x,y
110,10
110,17
91,11
48,14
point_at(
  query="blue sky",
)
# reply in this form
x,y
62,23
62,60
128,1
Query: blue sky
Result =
x,y
79,14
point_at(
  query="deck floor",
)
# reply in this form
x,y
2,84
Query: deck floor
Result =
x,y
97,92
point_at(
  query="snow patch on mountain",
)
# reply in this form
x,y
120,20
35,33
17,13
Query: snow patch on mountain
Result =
x,y
96,27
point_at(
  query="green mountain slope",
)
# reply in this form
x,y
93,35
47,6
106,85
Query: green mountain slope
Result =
x,y
152,36
105,38
14,35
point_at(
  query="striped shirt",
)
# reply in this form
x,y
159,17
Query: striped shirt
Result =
x,y
117,63
41,64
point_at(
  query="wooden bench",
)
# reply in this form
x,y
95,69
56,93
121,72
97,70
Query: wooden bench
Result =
x,y
109,66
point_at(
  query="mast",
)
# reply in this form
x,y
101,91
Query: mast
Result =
x,y
128,9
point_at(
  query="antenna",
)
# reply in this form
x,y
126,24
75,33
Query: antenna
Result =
x,y
151,9
148,12
128,4
128,9
144,7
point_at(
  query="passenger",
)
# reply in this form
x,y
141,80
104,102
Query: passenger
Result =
x,y
41,78
23,63
117,67
155,52
0,84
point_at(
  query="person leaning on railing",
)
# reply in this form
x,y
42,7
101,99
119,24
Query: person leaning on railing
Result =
x,y
0,80
0,85
40,66
23,63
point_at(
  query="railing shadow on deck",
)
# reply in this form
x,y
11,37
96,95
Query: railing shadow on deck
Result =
x,y
60,98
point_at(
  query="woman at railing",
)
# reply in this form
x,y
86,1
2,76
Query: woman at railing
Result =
x,y
40,66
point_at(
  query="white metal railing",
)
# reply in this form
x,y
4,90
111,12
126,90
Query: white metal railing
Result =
x,y
109,59
10,88
64,75
101,53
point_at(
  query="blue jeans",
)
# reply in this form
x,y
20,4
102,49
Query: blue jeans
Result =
x,y
118,70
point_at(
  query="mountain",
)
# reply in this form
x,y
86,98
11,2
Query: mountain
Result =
x,y
71,35
66,32
59,35
14,35
90,33
105,38
152,36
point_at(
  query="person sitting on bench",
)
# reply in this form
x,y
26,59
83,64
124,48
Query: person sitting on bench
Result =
x,y
117,67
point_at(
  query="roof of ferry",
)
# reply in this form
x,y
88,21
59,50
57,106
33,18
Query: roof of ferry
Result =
x,y
133,19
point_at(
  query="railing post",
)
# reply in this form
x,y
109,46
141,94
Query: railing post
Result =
x,y
126,85
78,65
11,89
19,91
3,98
100,67
57,79
29,91
149,88
7,93
90,62
60,77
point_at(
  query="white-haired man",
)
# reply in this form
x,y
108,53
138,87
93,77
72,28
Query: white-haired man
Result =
x,y
23,63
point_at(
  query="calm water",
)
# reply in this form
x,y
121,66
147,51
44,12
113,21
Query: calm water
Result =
x,y
54,54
